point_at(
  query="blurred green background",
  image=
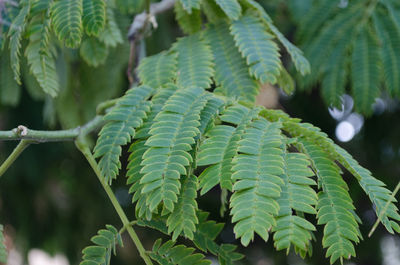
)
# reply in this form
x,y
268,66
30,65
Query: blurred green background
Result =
x,y
51,200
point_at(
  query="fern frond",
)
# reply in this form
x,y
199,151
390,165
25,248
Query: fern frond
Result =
x,y
184,219
3,251
40,54
169,254
93,51
231,8
256,171
94,16
286,82
334,79
10,91
195,62
335,207
297,195
227,254
130,6
105,242
188,5
208,114
111,36
172,135
221,145
15,34
258,47
300,62
158,70
212,11
380,196
389,36
122,120
66,16
365,71
231,71
189,23
206,233
393,12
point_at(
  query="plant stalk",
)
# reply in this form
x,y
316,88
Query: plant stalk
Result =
x,y
127,224
14,155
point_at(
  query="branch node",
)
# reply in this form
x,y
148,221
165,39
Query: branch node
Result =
x,y
22,130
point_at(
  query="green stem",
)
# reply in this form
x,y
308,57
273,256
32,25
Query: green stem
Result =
x,y
384,209
89,157
102,107
14,155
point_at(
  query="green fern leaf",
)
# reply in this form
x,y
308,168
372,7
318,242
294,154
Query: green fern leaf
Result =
x,y
15,34
66,16
300,62
169,254
172,135
189,23
158,70
212,11
334,79
319,51
335,207
208,114
94,16
3,251
380,196
93,52
206,233
218,150
194,62
188,5
256,169
286,82
258,47
130,6
393,12
365,71
184,219
297,195
40,54
227,254
231,8
389,36
111,35
10,91
105,242
122,120
231,71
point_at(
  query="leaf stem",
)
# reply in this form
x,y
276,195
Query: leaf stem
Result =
x,y
89,157
14,155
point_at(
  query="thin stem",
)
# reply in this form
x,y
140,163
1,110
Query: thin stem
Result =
x,y
384,210
14,155
102,107
89,157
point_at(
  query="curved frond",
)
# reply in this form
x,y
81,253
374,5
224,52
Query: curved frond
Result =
x,y
231,8
212,11
256,171
40,54
231,71
93,51
188,5
258,47
111,36
220,146
335,207
184,219
122,120
10,91
172,136
66,16
169,254
158,70
380,196
94,16
300,62
365,71
3,251
189,23
297,195
209,113
17,28
389,36
195,61
105,242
